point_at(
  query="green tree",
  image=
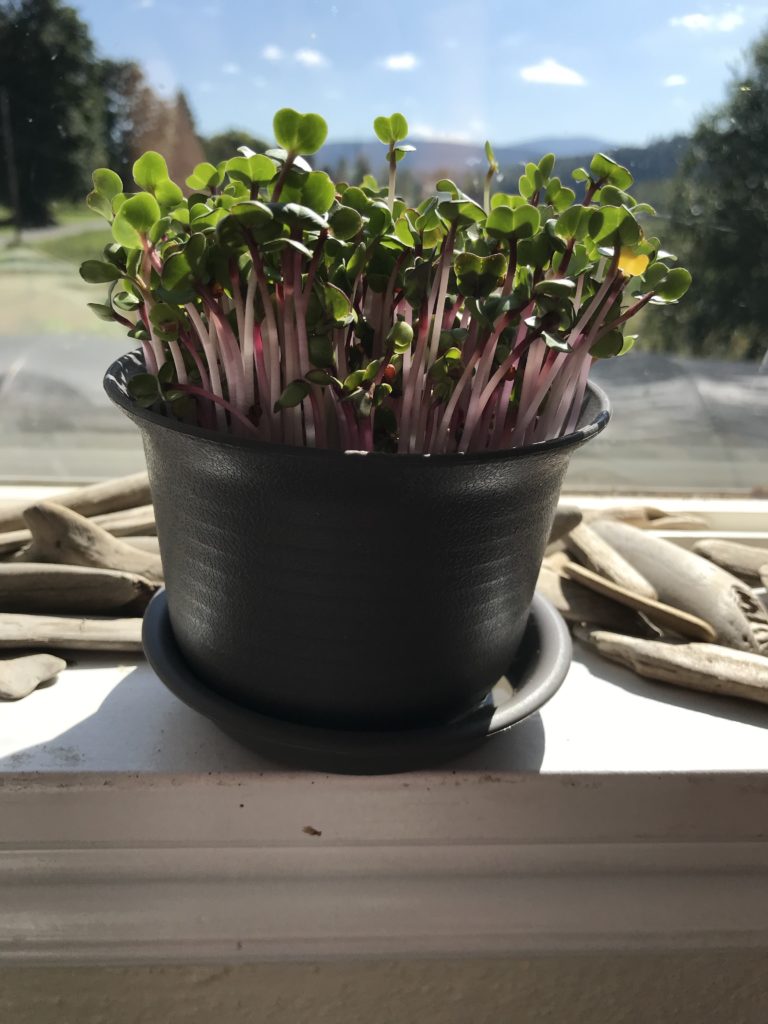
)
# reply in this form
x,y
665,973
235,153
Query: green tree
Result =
x,y
224,145
123,85
719,224
137,119
51,77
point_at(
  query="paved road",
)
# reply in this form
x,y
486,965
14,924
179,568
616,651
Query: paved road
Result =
x,y
75,227
678,424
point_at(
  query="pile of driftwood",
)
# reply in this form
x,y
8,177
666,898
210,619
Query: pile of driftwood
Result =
x,y
75,574
691,618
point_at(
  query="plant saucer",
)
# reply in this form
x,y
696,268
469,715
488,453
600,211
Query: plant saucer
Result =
x,y
537,673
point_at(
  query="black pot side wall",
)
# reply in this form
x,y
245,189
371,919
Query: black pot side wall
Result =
x,y
348,590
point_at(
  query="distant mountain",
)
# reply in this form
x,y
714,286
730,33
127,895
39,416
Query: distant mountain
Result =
x,y
455,158
655,161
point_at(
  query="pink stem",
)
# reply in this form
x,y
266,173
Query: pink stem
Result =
x,y
502,411
578,395
474,410
441,441
233,412
261,374
230,351
149,357
411,384
481,439
178,362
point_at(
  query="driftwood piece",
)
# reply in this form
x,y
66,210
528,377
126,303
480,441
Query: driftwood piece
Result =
x,y
577,603
70,589
662,615
646,517
12,541
740,559
107,496
596,554
635,515
131,521
62,536
694,585
682,521
555,561
20,676
62,632
566,518
144,543
708,668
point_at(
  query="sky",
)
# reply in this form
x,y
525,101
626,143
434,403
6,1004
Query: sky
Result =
x,y
507,70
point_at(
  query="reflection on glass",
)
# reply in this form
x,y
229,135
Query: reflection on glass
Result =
x,y
681,99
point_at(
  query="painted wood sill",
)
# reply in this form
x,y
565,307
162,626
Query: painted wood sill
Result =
x,y
625,815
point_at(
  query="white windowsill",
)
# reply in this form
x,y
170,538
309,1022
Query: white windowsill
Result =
x,y
625,815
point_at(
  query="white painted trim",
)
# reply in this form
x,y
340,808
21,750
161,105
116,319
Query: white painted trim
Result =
x,y
219,869
745,517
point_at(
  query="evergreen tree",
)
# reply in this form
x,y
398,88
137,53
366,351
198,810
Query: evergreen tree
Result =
x,y
122,84
225,145
720,224
51,79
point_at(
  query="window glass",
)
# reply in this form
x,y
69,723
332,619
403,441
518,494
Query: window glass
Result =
x,y
676,92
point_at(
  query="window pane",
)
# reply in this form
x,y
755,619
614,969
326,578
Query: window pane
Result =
x,y
678,97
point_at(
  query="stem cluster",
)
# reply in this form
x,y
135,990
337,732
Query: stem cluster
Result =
x,y
274,302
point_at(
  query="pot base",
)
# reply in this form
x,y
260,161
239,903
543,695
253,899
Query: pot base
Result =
x,y
536,674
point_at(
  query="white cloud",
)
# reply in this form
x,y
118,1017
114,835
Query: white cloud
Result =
x,y
549,72
310,58
230,69
697,22
673,80
146,4
272,52
400,62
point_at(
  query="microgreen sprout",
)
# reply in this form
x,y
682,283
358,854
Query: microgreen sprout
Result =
x,y
274,303
490,174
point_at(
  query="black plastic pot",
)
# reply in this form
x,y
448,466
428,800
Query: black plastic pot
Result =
x,y
342,589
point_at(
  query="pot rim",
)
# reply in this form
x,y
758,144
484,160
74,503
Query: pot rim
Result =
x,y
132,362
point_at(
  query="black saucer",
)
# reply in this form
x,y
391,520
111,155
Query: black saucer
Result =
x,y
538,671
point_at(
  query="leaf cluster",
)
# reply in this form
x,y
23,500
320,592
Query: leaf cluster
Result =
x,y
349,290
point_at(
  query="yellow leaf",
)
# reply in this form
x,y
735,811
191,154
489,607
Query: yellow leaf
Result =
x,y
631,265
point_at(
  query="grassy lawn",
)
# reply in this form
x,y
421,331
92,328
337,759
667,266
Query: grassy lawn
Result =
x,y
41,291
74,248
72,213
64,215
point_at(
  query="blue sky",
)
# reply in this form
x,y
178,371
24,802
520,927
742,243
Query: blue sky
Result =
x,y
464,70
